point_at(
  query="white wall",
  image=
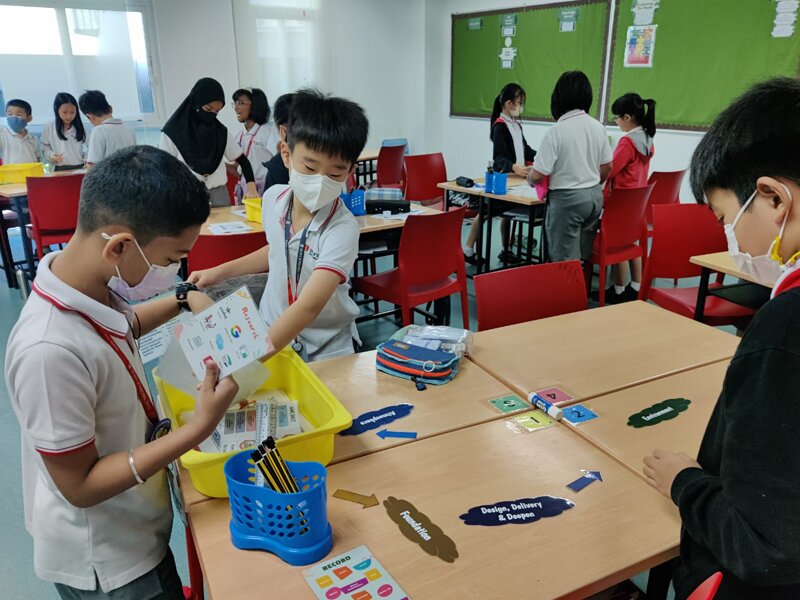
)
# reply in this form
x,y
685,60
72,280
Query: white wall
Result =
x,y
195,39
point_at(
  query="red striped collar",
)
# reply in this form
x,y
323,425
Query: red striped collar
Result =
x,y
789,280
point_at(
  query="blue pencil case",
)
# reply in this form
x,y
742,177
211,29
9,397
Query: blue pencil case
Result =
x,y
415,362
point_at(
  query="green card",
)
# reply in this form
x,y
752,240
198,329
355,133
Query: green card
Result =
x,y
510,403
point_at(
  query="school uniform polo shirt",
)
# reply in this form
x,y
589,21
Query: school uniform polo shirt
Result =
x,y
108,137
256,147
331,245
220,175
16,150
71,149
69,390
572,152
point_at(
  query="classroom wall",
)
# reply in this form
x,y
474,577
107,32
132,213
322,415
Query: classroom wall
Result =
x,y
465,141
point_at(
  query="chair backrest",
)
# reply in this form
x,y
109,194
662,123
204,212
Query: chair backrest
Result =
x,y
680,231
423,173
350,183
528,293
231,185
396,142
430,248
667,190
53,202
390,165
708,589
212,250
623,215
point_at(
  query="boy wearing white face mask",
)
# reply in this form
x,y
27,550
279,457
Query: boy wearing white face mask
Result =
x,y
312,236
740,501
17,144
93,448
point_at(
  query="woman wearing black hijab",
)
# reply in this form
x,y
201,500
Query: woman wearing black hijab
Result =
x,y
195,136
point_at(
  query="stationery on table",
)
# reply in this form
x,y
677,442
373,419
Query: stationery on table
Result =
x,y
389,216
229,228
353,574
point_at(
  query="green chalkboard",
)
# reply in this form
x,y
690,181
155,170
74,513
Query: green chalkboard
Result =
x,y
706,53
543,52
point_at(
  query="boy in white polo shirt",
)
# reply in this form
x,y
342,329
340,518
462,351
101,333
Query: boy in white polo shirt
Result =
x,y
312,236
17,144
95,492
109,134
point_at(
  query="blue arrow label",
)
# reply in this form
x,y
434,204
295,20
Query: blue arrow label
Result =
x,y
377,418
384,433
588,478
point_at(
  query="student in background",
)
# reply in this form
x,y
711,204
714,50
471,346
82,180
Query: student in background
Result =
x,y
629,169
109,134
95,492
576,155
17,144
739,502
313,237
277,173
511,153
258,139
64,139
195,136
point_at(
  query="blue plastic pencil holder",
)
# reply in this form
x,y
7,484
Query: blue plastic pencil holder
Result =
x,y
294,527
488,182
355,202
500,183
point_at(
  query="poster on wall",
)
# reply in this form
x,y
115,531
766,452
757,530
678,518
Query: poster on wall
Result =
x,y
639,46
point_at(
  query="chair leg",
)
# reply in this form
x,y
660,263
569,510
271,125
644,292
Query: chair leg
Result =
x,y
601,294
6,256
408,315
373,268
465,307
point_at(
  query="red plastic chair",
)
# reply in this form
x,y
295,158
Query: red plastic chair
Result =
x,y
390,166
423,173
681,231
429,255
350,183
53,202
708,589
620,226
529,293
212,250
231,185
667,191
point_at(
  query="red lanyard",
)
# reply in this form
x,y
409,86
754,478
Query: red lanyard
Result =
x,y
144,398
250,143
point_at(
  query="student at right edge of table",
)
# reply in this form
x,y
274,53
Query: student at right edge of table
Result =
x,y
740,501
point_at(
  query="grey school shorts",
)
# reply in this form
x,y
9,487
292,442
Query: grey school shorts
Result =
x,y
571,222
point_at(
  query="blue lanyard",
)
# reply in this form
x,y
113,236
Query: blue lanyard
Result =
x,y
301,252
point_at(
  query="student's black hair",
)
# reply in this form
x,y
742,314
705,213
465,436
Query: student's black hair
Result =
x,y
756,135
16,102
334,126
93,102
510,91
77,123
144,189
572,91
259,107
642,111
280,110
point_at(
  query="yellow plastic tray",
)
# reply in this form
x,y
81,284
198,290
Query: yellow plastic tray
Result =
x,y
252,207
316,403
18,172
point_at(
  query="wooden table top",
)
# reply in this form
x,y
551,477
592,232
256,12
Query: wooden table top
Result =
x,y
368,154
225,214
599,351
611,433
617,527
371,223
361,388
512,181
722,262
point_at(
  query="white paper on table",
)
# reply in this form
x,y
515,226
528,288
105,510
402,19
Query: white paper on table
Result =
x,y
400,216
524,191
229,228
239,212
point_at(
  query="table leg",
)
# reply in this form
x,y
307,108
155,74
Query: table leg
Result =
x,y
5,253
479,240
21,208
531,212
658,582
488,224
543,238
702,294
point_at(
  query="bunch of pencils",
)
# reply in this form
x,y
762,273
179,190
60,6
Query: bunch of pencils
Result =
x,y
269,461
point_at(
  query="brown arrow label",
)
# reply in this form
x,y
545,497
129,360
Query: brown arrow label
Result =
x,y
367,501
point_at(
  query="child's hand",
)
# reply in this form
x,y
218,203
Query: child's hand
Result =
x,y
215,398
663,467
206,278
520,170
57,158
251,191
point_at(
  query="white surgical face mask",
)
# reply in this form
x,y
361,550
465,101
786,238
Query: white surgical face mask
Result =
x,y
157,280
765,267
314,191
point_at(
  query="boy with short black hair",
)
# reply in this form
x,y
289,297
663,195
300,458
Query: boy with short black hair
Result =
x,y
740,501
109,134
94,488
277,173
17,144
313,237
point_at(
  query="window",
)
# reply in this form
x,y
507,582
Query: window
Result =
x,y
46,50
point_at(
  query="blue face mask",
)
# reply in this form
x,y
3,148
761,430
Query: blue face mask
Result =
x,y
16,124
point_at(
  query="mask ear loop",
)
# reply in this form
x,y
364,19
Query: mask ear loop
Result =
x,y
776,243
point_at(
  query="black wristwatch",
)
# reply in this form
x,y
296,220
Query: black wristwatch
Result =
x,y
182,294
